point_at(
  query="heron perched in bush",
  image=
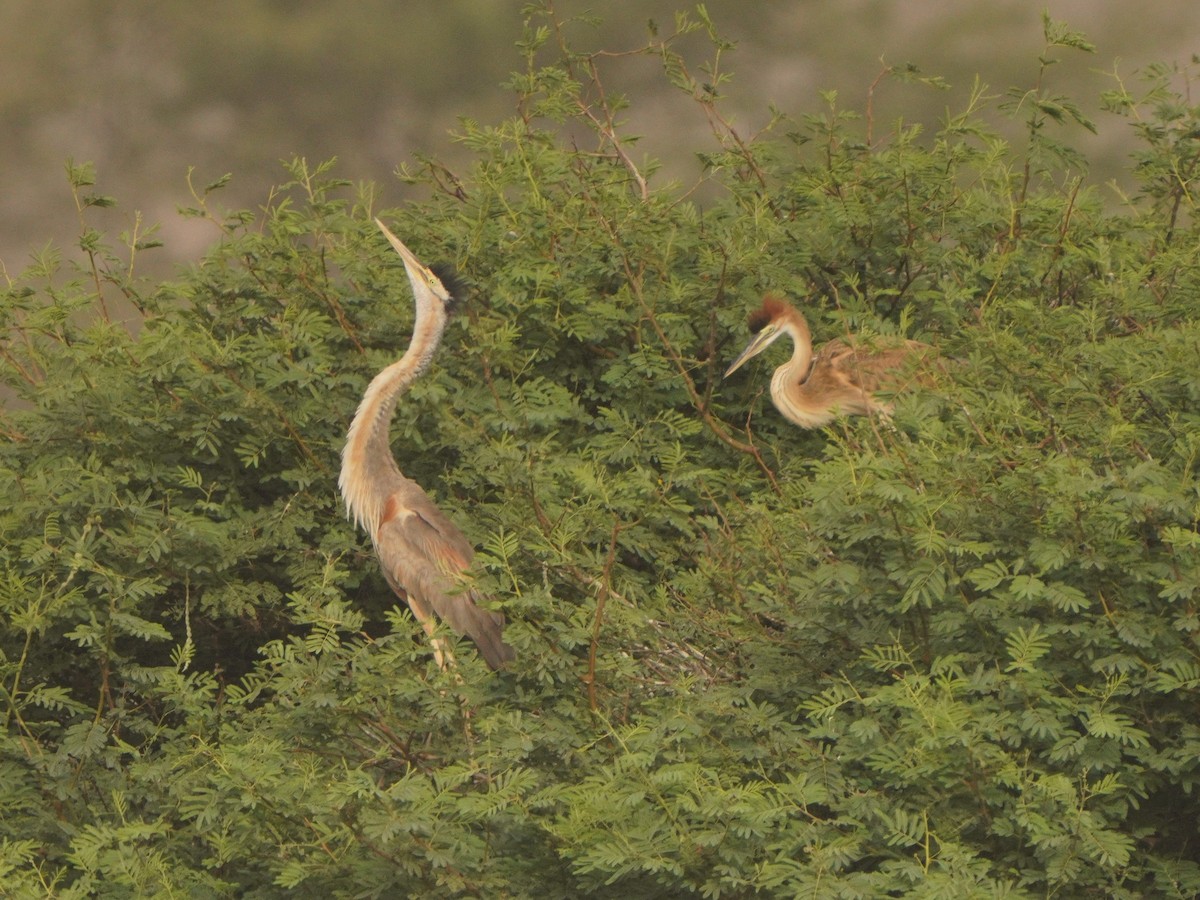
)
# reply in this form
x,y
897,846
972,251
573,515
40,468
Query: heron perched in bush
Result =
x,y
840,379
423,554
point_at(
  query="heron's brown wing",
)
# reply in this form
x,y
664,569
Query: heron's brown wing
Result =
x,y
429,530
869,368
836,383
424,556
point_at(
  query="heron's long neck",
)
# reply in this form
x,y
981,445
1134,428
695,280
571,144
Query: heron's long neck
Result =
x,y
367,461
802,348
788,389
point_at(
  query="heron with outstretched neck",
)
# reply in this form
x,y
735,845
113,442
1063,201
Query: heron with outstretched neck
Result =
x,y
840,379
423,554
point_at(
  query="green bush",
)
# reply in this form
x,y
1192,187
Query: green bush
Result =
x,y
951,655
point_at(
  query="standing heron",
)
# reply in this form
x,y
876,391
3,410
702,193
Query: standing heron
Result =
x,y
840,380
423,554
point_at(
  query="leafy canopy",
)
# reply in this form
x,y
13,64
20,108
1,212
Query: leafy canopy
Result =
x,y
954,655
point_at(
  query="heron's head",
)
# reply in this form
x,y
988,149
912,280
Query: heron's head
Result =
x,y
767,324
436,287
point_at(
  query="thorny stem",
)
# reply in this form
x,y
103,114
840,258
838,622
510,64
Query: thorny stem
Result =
x,y
870,111
443,179
721,127
1059,247
20,369
92,264
573,570
605,125
607,129
634,279
601,599
202,205
339,313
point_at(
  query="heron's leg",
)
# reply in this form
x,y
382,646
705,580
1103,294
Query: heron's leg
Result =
x,y
441,651
447,663
441,647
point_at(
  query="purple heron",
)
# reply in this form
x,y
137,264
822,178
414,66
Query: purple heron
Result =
x,y
424,556
840,379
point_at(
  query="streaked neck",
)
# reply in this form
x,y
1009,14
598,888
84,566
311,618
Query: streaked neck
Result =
x,y
367,462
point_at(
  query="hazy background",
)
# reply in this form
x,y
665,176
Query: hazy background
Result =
x,y
146,90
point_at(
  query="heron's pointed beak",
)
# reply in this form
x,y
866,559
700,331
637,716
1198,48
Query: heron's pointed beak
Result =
x,y
417,272
757,345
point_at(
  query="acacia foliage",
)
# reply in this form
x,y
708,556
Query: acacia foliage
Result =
x,y
953,657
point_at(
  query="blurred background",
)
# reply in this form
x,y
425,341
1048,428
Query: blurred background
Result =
x,y
146,90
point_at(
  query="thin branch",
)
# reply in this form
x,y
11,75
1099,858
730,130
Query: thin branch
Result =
x,y
634,279
598,620
607,129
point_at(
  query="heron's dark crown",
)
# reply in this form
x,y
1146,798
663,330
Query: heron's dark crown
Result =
x,y
772,307
454,284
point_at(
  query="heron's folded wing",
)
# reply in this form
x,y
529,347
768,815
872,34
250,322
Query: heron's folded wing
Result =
x,y
424,555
